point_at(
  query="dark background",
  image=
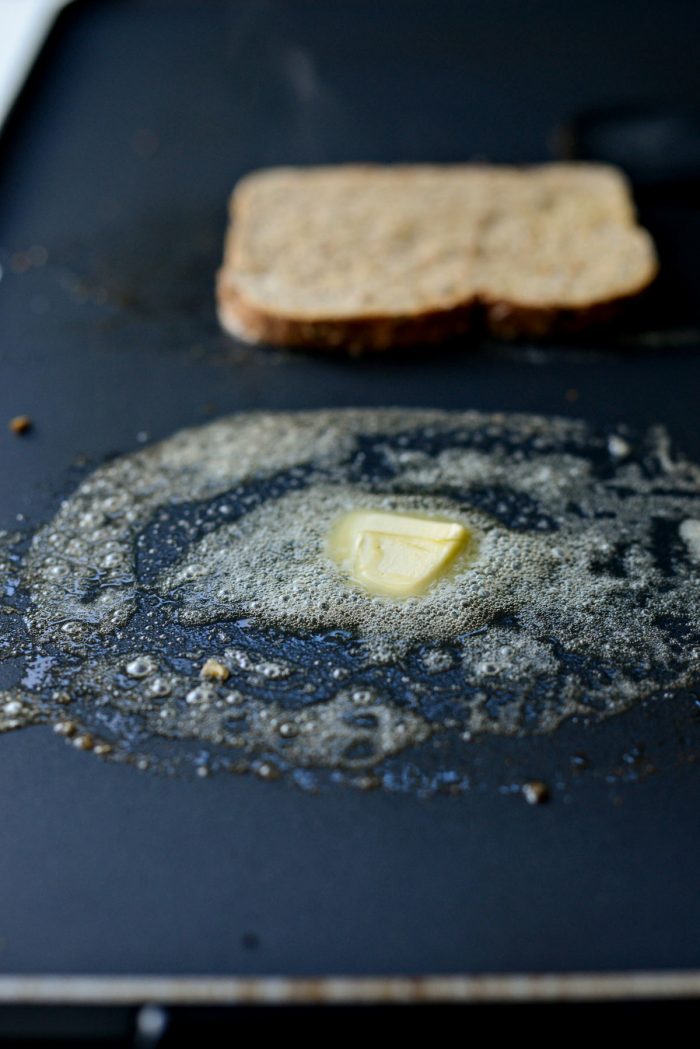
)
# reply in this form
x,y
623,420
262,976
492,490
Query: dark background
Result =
x,y
118,161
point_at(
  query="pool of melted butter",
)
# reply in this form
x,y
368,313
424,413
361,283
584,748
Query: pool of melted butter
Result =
x,y
574,592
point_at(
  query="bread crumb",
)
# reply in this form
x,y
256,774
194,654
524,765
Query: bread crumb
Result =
x,y
20,424
213,670
535,792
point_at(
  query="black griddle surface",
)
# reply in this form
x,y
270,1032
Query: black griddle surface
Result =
x,y
118,160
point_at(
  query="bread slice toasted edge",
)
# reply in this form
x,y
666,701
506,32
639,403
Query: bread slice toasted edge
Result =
x,y
355,334
253,323
503,320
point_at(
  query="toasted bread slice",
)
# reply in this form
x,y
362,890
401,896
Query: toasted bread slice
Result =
x,y
371,257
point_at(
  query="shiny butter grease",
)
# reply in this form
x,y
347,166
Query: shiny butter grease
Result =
x,y
580,595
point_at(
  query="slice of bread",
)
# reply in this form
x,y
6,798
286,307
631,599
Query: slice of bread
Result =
x,y
369,257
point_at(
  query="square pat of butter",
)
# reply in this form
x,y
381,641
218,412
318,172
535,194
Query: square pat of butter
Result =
x,y
395,554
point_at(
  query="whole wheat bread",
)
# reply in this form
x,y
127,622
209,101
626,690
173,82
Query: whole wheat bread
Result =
x,y
371,257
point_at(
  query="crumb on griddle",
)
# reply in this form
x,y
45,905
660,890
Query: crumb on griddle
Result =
x,y
20,424
213,670
536,792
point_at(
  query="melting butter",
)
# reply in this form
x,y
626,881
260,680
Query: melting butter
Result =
x,y
395,554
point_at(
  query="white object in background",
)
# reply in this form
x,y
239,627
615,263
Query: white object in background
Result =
x,y
23,28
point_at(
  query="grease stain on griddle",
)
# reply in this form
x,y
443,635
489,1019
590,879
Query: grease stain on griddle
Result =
x,y
179,610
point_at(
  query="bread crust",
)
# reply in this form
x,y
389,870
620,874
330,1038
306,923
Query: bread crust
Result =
x,y
356,335
502,320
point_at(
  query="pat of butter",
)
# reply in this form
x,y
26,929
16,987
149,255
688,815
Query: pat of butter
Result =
x,y
395,554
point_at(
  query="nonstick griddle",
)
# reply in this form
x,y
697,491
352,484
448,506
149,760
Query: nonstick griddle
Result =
x,y
115,167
